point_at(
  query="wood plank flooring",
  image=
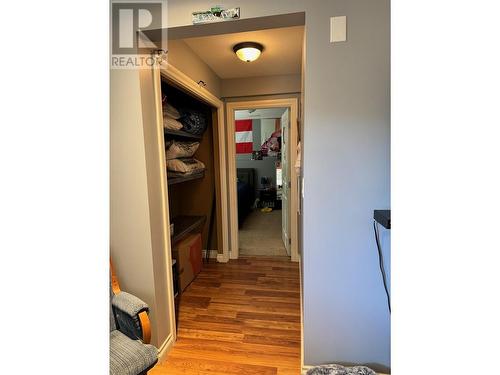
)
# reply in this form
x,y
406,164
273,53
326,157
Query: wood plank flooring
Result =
x,y
242,317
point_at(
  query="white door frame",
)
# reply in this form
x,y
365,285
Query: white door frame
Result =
x,y
291,103
285,172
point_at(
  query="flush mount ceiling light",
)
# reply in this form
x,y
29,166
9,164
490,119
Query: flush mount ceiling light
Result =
x,y
248,51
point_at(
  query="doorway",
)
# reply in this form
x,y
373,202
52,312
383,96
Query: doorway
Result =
x,y
261,164
263,200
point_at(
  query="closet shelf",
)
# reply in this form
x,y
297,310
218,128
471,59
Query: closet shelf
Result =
x,y
185,225
181,133
178,180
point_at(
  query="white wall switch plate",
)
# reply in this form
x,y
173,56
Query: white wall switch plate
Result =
x,y
338,29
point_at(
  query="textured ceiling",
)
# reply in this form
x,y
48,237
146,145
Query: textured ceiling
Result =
x,y
282,52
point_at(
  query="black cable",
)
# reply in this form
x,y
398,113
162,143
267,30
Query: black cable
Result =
x,y
381,264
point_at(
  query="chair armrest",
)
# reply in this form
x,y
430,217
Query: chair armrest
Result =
x,y
132,316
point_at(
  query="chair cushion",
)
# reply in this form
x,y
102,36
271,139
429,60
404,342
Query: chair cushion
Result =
x,y
129,303
129,357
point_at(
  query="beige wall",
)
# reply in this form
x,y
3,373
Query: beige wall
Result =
x,y
131,226
130,236
269,85
184,59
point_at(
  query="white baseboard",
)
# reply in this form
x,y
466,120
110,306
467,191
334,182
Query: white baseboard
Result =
x,y
304,369
213,254
221,258
165,347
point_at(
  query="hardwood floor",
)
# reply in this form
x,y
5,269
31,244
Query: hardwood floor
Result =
x,y
242,317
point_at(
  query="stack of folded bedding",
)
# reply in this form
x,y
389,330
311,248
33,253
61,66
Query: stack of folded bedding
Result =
x,y
179,154
193,121
178,149
184,167
180,161
171,116
183,118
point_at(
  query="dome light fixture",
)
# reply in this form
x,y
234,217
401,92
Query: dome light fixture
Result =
x,y
248,51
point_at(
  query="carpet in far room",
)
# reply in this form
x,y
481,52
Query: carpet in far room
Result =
x,y
260,234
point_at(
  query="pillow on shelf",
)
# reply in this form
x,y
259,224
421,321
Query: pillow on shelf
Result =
x,y
171,123
178,149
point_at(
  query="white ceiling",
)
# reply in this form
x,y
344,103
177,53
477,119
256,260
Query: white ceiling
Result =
x,y
282,52
259,113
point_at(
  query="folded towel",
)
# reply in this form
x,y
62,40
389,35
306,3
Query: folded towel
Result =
x,y
170,111
185,165
171,123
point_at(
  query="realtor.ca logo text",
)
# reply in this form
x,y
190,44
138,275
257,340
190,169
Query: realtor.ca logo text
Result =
x,y
136,31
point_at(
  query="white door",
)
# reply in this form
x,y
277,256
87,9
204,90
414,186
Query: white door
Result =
x,y
285,170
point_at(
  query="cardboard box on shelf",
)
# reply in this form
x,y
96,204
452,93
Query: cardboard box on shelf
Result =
x,y
189,262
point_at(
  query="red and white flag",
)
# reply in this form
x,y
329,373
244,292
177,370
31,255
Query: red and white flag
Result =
x,y
244,138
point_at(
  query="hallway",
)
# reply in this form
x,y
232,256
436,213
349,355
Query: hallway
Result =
x,y
242,317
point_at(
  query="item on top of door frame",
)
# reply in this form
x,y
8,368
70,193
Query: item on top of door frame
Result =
x,y
215,14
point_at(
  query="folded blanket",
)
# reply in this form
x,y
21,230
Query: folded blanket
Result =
x,y
193,121
170,111
177,149
171,123
185,165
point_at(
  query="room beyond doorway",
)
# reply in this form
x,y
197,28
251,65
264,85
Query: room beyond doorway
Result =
x,y
262,149
261,162
260,234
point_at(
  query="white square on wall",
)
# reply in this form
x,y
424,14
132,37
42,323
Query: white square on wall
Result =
x,y
338,29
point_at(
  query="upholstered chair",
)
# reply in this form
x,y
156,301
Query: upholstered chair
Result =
x,y
129,334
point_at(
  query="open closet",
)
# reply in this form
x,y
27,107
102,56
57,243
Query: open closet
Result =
x,y
191,195
189,172
191,146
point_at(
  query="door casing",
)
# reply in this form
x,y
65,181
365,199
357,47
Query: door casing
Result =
x,y
285,168
292,104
